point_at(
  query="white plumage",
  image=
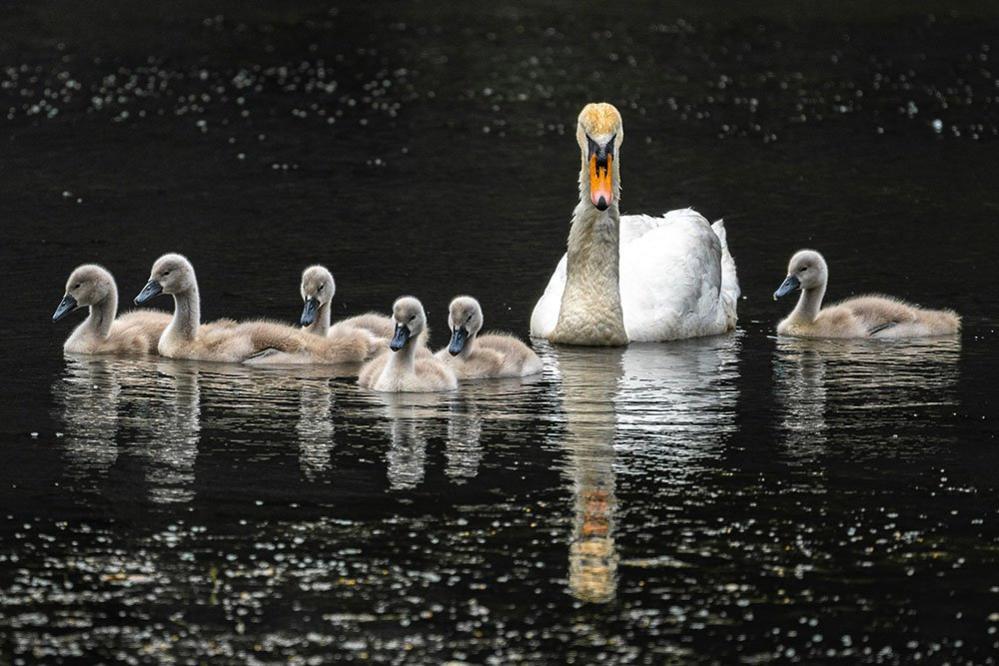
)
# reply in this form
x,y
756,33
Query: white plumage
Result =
x,y
677,279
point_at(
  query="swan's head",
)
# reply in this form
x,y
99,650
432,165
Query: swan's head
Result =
x,y
317,290
806,270
410,320
171,274
465,320
88,285
599,134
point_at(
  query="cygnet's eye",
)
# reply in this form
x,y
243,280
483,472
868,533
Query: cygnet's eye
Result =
x,y
412,317
321,287
166,273
77,285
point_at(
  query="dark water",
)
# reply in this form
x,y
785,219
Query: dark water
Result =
x,y
736,498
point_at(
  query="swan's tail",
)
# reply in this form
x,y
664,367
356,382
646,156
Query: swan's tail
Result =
x,y
730,281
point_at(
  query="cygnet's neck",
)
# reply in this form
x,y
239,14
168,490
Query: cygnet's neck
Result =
x,y
469,347
186,314
101,316
321,325
809,303
591,313
404,357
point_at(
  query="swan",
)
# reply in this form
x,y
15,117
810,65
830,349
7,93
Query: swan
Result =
x,y
402,368
134,332
635,278
258,342
472,356
317,290
859,317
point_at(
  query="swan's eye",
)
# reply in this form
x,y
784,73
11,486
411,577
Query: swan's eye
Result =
x,y
165,273
77,285
412,317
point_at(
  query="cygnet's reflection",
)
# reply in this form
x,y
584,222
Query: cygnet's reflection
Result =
x,y
409,421
463,448
174,432
827,385
315,428
87,396
646,410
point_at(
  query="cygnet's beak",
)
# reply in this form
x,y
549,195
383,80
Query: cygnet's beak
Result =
x,y
787,286
400,338
458,339
66,305
149,292
309,312
601,159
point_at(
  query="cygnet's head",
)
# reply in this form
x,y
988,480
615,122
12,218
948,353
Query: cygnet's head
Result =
x,y
599,133
410,320
806,270
87,285
171,274
465,320
317,290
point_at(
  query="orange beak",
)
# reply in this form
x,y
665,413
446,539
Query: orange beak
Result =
x,y
600,183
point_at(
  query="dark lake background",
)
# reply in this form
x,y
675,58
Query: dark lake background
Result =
x,y
737,498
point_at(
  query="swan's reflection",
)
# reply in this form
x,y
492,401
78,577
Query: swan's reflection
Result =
x,y
666,407
87,395
315,428
174,428
827,385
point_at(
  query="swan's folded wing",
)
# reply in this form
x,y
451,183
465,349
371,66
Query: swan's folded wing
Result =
x,y
671,280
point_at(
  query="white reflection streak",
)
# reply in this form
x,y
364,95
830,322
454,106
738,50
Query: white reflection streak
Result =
x,y
175,429
88,395
315,428
668,405
463,449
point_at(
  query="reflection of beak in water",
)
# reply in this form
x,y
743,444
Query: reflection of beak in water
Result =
x,y
827,386
315,428
176,430
88,395
669,407
464,447
589,384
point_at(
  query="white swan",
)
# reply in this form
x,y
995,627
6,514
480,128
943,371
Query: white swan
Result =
x,y
474,356
634,278
859,317
136,332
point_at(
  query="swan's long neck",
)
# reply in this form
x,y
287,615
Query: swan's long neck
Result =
x,y
321,325
809,304
102,314
591,313
186,314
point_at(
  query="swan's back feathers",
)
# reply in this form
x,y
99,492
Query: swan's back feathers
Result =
x,y
678,279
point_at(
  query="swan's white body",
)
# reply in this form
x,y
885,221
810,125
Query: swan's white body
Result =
x,y
677,280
